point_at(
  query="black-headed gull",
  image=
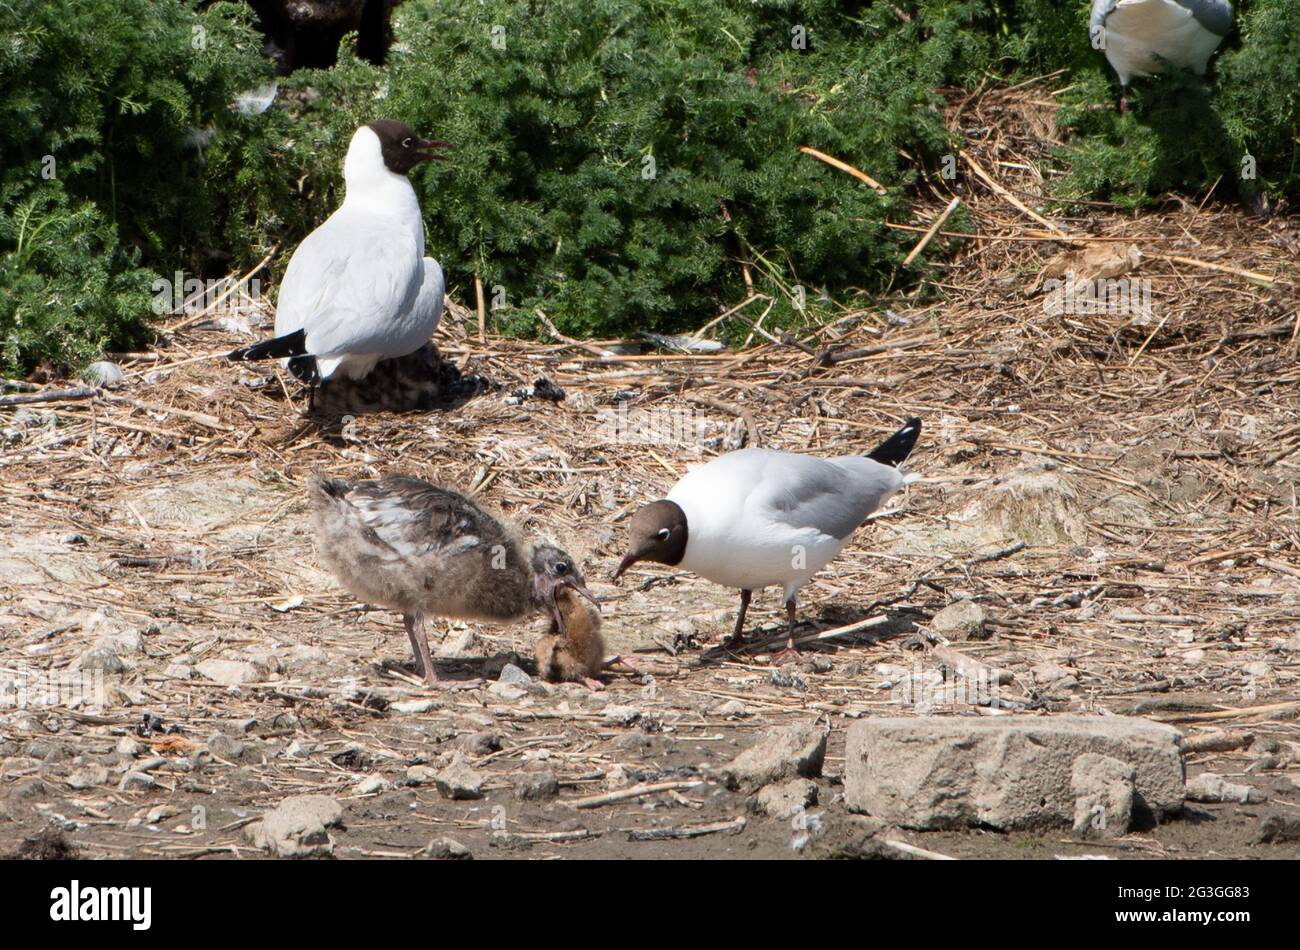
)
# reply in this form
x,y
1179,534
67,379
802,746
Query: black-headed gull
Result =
x,y
758,517
1140,36
359,288
421,549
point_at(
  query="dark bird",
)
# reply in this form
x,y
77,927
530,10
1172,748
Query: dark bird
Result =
x,y
424,550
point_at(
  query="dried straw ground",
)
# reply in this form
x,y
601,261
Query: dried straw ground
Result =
x,y
1116,490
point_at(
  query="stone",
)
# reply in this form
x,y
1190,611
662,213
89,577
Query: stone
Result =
x,y
373,783
228,672
413,706
536,786
128,747
109,652
507,691
226,747
1257,669
300,656
732,709
1104,789
962,620
296,828
514,675
421,775
458,781
785,752
786,799
88,776
1275,829
1211,788
104,374
621,715
136,782
480,744
1013,772
447,849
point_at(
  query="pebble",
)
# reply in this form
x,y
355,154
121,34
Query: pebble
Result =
x,y
136,781
373,783
104,374
413,706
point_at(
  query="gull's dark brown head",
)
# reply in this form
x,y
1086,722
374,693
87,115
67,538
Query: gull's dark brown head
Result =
x,y
553,571
401,148
657,532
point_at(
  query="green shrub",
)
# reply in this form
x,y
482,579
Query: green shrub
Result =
x,y
551,195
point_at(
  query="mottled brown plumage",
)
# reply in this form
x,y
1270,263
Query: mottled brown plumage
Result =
x,y
578,654
421,549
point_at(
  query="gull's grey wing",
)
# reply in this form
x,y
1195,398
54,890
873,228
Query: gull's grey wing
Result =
x,y
352,284
1214,15
834,496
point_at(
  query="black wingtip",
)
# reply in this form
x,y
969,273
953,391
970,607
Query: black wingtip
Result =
x,y
289,345
896,449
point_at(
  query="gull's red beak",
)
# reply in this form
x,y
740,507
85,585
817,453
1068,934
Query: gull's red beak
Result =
x,y
426,144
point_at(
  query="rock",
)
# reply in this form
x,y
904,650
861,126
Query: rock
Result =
x,y
1104,790
786,799
373,783
421,775
621,715
514,675
104,374
226,747
237,727
536,786
782,753
962,620
507,691
467,643
1257,669
733,709
88,776
480,744
1278,828
229,672
136,782
1007,773
128,747
447,849
300,656
296,828
413,706
458,781
1211,788
109,652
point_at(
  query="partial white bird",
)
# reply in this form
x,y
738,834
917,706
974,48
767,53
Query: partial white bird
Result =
x,y
1140,36
359,288
757,517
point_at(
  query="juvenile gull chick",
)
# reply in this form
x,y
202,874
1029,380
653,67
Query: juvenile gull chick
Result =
x,y
757,517
405,544
578,654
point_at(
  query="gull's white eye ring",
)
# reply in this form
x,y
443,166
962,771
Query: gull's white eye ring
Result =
x,y
406,143
663,534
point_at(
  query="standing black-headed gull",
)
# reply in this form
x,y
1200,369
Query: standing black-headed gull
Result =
x,y
1140,36
414,547
359,288
758,517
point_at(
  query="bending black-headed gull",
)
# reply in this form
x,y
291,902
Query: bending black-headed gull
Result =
x,y
757,517
359,288
405,544
1140,36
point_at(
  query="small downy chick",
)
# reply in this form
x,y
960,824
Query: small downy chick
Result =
x,y
577,654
